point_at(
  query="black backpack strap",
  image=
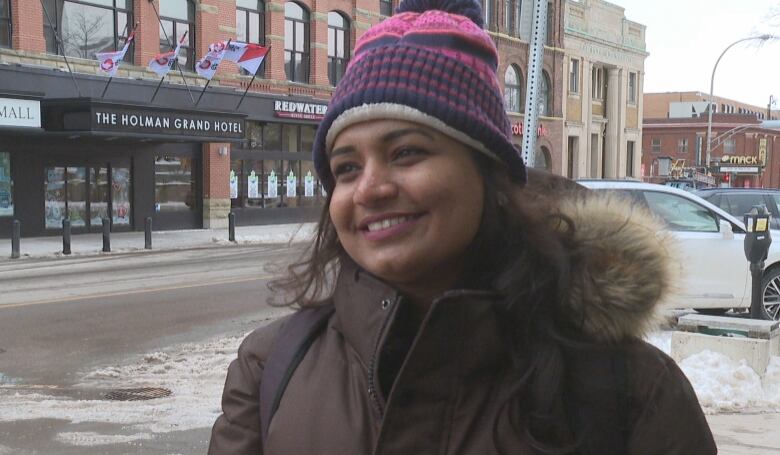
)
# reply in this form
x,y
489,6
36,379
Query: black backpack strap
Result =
x,y
290,346
597,400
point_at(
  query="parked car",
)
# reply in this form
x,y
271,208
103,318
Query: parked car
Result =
x,y
738,201
715,274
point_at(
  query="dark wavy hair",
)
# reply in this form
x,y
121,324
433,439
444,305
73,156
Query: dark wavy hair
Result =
x,y
527,265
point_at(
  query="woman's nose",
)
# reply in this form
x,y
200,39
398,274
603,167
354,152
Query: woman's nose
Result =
x,y
376,185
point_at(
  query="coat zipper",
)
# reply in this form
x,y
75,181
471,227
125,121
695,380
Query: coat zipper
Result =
x,y
372,389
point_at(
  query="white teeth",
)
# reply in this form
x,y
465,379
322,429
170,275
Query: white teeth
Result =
x,y
384,224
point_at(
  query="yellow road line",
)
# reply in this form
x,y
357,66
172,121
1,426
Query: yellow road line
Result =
x,y
137,291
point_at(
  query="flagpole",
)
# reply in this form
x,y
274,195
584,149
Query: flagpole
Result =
x,y
169,43
250,82
209,80
61,46
124,32
175,62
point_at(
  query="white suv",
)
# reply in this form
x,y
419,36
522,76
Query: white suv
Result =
x,y
716,275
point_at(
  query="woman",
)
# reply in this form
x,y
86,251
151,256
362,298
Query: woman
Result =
x,y
473,313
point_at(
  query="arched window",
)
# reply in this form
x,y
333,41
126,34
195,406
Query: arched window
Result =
x,y
545,97
338,46
250,24
542,158
512,89
5,23
86,26
296,43
177,17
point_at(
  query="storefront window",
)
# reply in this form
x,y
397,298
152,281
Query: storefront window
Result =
x,y
273,183
88,26
98,194
54,199
120,196
174,184
77,195
6,186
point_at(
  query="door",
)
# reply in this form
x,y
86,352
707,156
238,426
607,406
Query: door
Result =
x,y
714,269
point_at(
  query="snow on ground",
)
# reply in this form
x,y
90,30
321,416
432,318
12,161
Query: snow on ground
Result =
x,y
724,385
195,373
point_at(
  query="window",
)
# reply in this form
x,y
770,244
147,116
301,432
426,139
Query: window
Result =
x,y
87,26
730,146
6,186
572,157
632,88
630,159
177,17
386,7
682,146
656,145
680,214
338,46
5,24
487,10
512,89
545,96
296,43
550,24
574,76
250,25
174,184
542,158
597,83
512,10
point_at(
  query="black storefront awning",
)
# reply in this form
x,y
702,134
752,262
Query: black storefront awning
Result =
x,y
96,118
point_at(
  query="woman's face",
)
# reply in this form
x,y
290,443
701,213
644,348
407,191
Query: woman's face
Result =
x,y
407,202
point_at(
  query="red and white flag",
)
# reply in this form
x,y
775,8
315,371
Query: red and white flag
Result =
x,y
208,64
109,61
246,55
162,63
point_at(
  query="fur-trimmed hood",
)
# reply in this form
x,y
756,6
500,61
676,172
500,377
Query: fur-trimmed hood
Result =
x,y
623,266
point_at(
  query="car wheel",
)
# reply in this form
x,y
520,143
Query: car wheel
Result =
x,y
771,293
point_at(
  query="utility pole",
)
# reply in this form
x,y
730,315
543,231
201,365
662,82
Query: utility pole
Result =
x,y
535,59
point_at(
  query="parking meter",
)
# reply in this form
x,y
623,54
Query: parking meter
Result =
x,y
757,241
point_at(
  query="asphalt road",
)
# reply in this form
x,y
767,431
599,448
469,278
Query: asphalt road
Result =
x,y
61,317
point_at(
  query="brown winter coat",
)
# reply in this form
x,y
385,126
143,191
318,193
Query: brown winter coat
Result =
x,y
452,383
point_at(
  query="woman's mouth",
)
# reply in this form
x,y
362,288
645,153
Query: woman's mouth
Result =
x,y
386,227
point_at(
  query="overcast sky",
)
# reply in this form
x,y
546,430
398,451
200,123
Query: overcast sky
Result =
x,y
685,38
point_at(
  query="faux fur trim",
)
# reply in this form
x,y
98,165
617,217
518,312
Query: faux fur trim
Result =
x,y
392,111
623,266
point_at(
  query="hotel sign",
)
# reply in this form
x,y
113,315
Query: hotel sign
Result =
x,y
20,113
106,119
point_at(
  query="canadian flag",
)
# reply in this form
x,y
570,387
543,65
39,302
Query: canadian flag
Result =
x,y
247,55
208,64
109,61
162,63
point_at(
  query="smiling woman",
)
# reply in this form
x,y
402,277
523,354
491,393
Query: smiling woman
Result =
x,y
454,302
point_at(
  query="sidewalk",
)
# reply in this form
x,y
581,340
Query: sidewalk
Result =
x,y
746,434
91,244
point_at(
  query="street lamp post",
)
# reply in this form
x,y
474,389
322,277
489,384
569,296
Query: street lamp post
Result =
x,y
712,85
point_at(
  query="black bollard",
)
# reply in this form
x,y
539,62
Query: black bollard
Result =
x,y
148,233
106,235
65,236
16,233
232,227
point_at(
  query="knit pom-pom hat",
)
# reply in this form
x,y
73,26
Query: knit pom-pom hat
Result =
x,y
431,63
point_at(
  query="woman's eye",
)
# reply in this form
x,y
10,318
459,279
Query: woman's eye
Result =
x,y
344,169
407,152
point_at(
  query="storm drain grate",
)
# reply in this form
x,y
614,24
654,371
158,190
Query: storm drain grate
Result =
x,y
143,393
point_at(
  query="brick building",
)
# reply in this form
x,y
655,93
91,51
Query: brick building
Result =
x,y
687,104
88,150
742,154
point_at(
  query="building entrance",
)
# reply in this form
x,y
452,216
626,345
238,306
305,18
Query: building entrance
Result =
x,y
87,193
